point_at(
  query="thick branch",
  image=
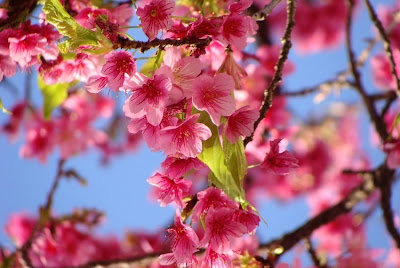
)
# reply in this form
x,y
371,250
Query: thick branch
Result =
x,y
386,42
287,44
144,46
360,193
380,126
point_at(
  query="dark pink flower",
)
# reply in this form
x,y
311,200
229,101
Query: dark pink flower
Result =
x,y
170,189
280,163
248,219
118,63
211,198
178,167
150,98
393,151
213,95
236,28
185,242
7,66
156,16
240,123
19,227
213,259
185,138
24,49
220,227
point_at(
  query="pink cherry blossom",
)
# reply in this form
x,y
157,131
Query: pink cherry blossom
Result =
x,y
240,123
213,95
19,227
7,66
150,98
96,83
178,167
185,138
156,16
171,190
248,219
236,28
211,198
381,71
25,48
220,228
393,150
279,163
231,67
118,63
185,242
213,259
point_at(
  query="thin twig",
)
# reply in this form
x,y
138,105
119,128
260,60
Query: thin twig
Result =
x,y
267,9
322,86
380,126
386,43
313,254
286,45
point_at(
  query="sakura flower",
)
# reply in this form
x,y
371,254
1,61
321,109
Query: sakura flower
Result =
x,y
213,95
248,219
170,189
213,259
236,28
178,167
7,66
185,242
118,63
393,150
150,98
279,163
19,227
185,138
211,198
231,67
156,16
220,227
25,48
96,83
240,123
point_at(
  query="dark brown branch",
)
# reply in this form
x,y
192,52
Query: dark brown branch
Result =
x,y
144,46
315,258
287,44
380,126
386,42
360,193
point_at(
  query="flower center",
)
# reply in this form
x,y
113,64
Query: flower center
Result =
x,y
153,13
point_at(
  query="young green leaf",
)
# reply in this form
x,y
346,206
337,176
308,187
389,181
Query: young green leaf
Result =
x,y
3,109
53,96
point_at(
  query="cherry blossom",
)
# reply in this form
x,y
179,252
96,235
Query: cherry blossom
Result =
x,y
280,163
240,124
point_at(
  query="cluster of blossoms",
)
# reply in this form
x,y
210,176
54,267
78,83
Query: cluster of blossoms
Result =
x,y
194,98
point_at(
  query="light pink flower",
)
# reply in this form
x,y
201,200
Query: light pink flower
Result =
x,y
170,189
213,95
211,198
178,167
96,83
220,227
150,98
240,123
118,63
185,138
24,49
280,163
185,242
156,16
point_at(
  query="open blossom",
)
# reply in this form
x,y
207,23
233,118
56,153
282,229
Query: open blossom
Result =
x,y
211,198
213,259
178,167
213,95
185,138
240,123
170,189
220,227
156,16
185,243
25,48
150,98
280,163
118,63
7,66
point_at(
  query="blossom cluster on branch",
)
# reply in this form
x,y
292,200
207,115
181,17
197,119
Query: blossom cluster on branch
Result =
x,y
212,98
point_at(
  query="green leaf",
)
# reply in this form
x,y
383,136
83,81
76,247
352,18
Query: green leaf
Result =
x,y
3,109
53,96
221,163
78,35
153,64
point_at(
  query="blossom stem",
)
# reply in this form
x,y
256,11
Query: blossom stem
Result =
x,y
184,18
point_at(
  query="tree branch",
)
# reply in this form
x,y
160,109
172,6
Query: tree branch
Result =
x,y
144,46
380,126
386,43
287,44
